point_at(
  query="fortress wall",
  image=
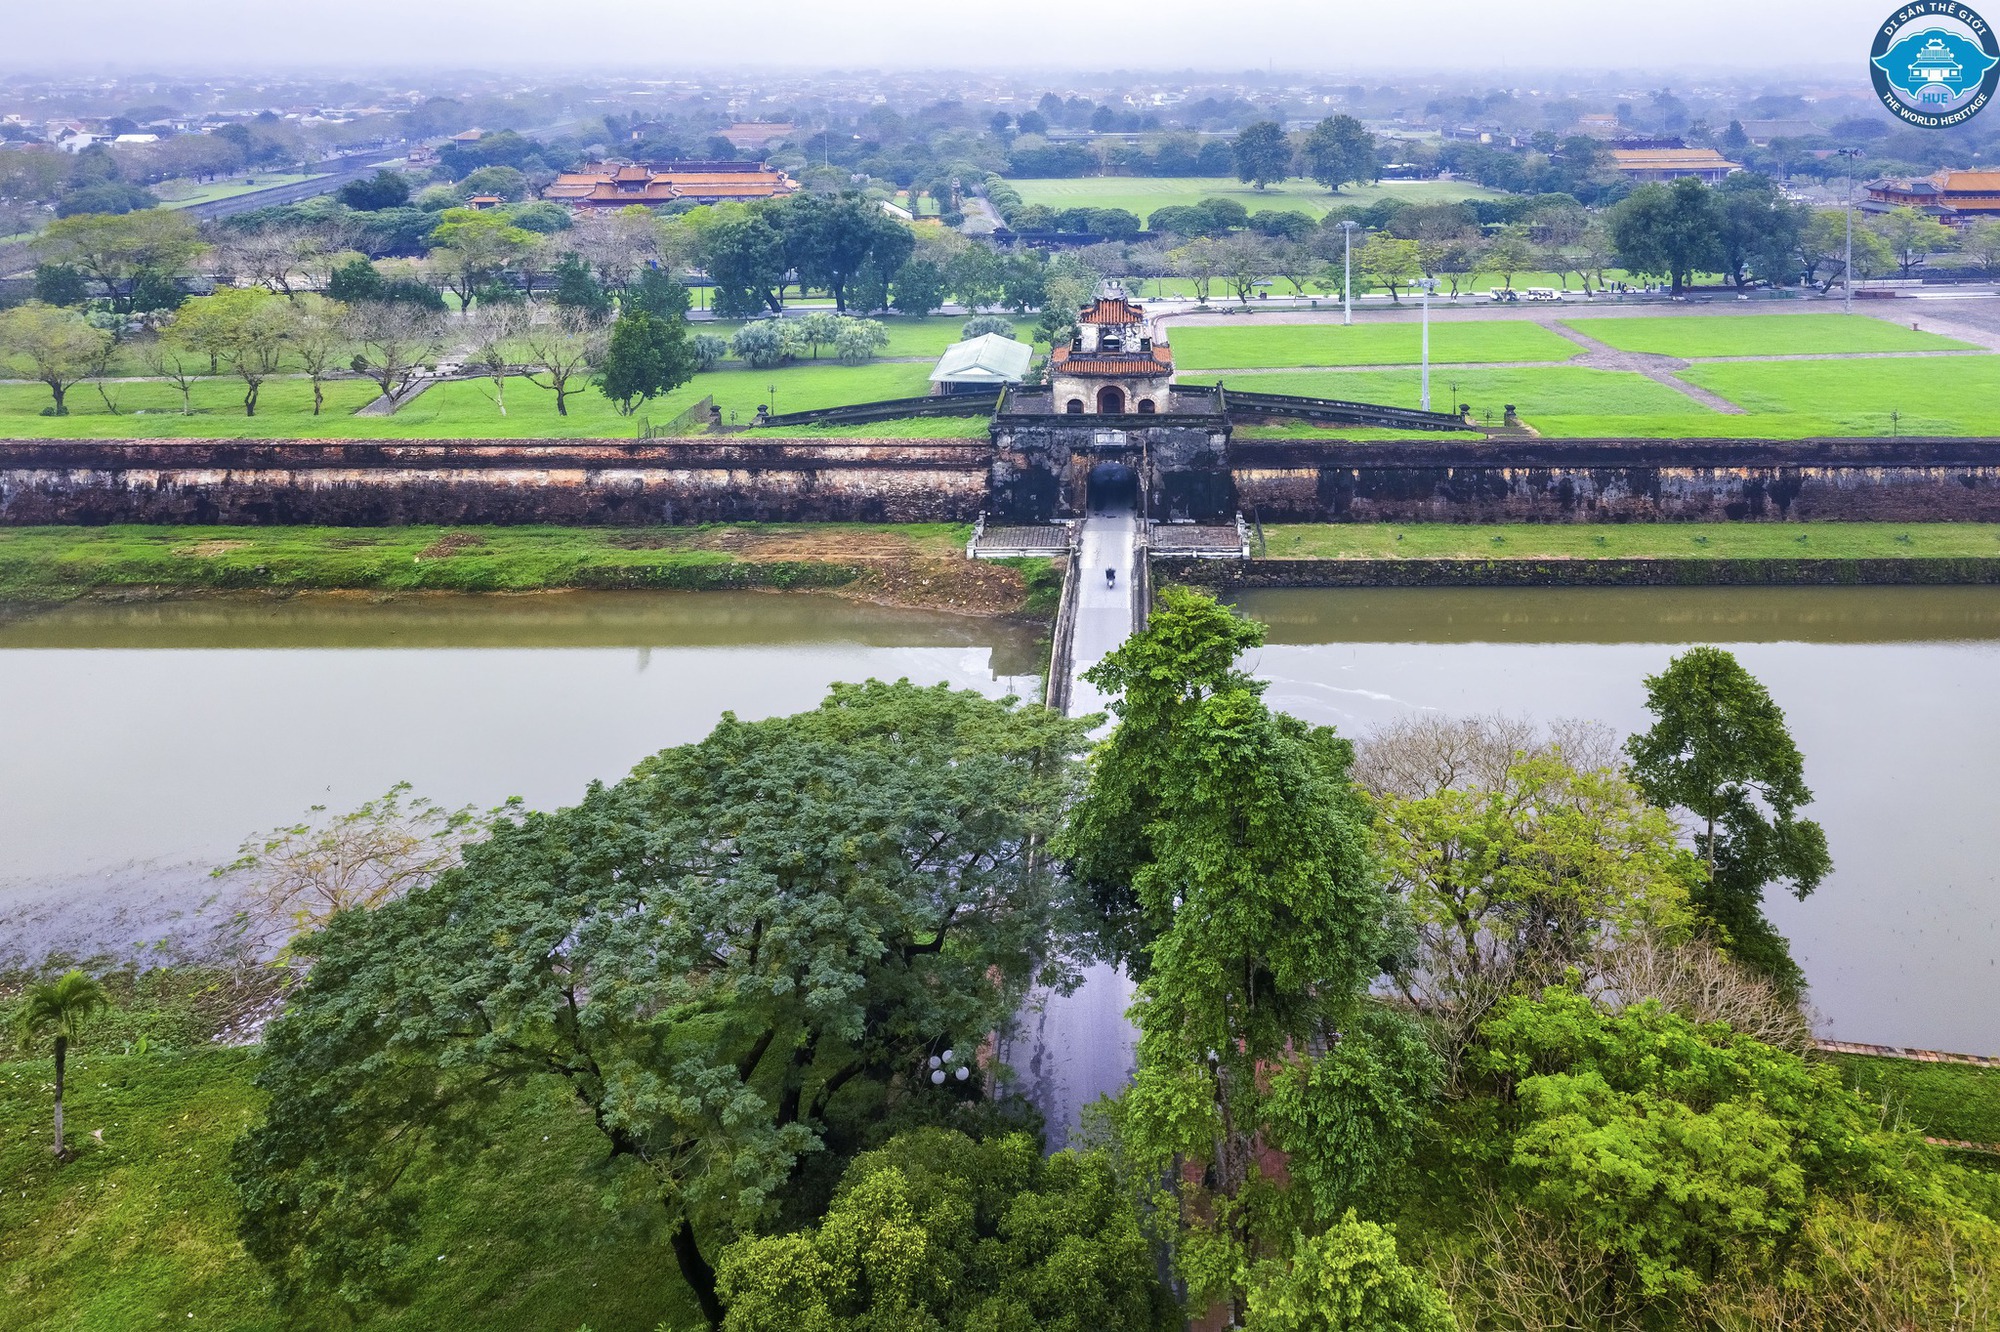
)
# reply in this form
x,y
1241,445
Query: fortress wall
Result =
x,y
504,482
1588,481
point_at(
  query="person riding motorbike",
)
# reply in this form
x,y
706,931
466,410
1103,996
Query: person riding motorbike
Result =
x,y
1110,577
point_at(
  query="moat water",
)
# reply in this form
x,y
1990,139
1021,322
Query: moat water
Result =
x,y
142,743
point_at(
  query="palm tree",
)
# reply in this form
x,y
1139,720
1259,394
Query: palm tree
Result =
x,y
60,1008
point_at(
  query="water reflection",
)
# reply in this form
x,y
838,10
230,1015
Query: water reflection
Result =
x,y
142,742
1890,693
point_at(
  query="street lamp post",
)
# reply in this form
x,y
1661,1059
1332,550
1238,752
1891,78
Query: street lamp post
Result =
x,y
1847,276
1427,286
1347,270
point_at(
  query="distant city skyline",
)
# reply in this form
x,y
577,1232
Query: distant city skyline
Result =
x,y
1787,39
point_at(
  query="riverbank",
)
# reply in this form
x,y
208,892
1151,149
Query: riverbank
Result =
x,y
916,565
1598,555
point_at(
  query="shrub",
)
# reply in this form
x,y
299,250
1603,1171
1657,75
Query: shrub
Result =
x,y
857,340
980,325
763,344
708,349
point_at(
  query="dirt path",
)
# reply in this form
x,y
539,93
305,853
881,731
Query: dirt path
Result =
x,y
1659,369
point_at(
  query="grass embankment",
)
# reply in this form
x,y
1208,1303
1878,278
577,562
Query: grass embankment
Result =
x,y
1551,541
187,193
140,1229
915,565
1956,1101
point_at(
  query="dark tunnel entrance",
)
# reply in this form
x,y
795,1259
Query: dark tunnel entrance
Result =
x,y
1114,488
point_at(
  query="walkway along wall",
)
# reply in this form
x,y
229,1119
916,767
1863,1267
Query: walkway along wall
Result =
x,y
378,483
1583,481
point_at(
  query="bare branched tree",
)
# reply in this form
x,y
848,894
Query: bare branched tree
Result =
x,y
294,879
495,333
391,341
1694,978
563,346
285,259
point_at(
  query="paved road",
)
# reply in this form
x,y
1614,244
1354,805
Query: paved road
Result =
x,y
1072,1049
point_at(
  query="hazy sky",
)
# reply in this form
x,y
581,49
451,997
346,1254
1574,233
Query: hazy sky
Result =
x,y
1386,41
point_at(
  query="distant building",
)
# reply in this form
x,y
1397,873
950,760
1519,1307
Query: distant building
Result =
x,y
1111,367
468,136
1651,164
481,202
759,134
1761,132
1951,196
981,365
622,184
1597,125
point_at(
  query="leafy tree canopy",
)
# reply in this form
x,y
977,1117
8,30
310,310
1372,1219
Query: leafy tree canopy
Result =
x,y
733,960
937,1231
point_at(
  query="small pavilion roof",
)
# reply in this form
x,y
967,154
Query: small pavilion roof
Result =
x,y
992,358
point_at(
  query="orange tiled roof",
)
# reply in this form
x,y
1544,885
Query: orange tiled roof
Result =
x,y
1159,361
628,183
1979,181
1112,310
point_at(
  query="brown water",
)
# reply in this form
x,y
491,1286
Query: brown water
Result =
x,y
142,743
1892,693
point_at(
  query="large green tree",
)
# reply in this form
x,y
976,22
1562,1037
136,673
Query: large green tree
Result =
x,y
746,259
1667,231
1758,231
646,358
55,345
1338,150
1639,1170
937,1231
1263,154
828,240
123,252
1719,748
735,960
1226,850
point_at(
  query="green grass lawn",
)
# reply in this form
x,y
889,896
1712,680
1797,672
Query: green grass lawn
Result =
x,y
1957,1101
186,193
1142,194
1946,396
1220,347
153,408
1552,392
461,408
1761,335
139,1230
1452,541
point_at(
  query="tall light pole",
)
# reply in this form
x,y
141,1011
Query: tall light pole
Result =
x,y
1427,286
1847,278
1347,229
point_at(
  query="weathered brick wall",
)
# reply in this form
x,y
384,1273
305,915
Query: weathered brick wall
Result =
x,y
369,483
1584,481
1041,464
